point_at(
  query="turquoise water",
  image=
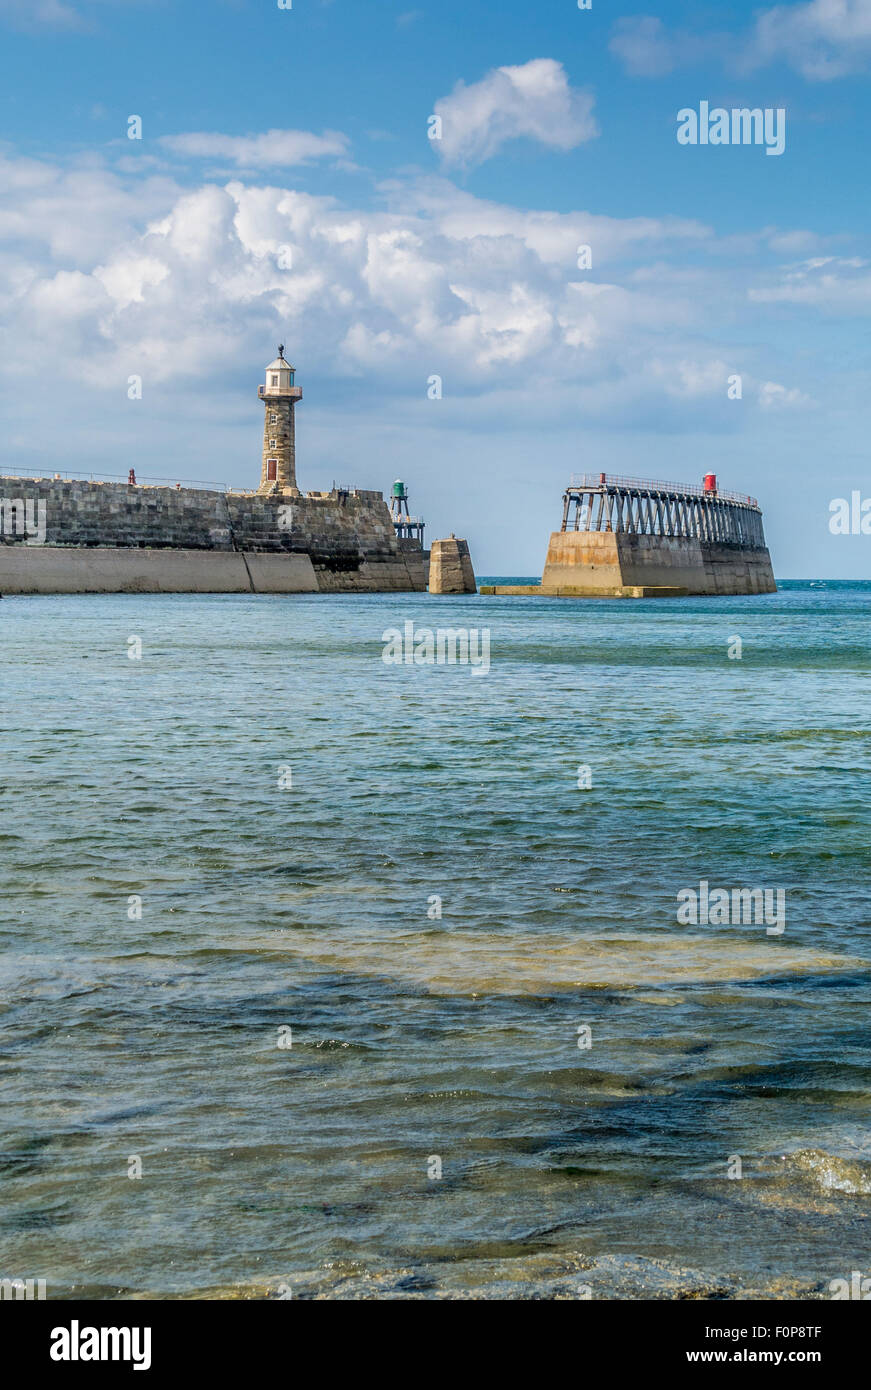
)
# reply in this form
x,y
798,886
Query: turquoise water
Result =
x,y
304,1169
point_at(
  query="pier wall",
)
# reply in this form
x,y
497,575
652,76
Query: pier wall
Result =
x,y
114,537
67,570
417,559
609,560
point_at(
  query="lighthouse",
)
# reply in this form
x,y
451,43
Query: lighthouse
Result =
x,y
405,526
279,395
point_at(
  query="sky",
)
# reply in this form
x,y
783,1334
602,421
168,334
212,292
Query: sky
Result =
x,y
399,194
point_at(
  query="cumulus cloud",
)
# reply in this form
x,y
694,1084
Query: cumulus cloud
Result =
x,y
73,215
552,237
182,285
821,39
271,149
534,101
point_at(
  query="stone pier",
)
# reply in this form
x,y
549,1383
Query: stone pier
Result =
x,y
116,537
450,568
630,538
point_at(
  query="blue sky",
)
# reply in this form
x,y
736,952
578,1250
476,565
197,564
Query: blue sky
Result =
x,y
285,189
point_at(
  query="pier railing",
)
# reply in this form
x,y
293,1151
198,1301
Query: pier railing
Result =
x,y
591,482
644,507
83,476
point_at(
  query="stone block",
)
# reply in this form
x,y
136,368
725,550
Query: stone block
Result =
x,y
450,568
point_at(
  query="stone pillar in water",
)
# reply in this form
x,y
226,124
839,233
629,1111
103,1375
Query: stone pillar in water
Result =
x,y
450,568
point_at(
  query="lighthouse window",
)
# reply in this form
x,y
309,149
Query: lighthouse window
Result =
x,y
272,444
271,470
275,381
273,419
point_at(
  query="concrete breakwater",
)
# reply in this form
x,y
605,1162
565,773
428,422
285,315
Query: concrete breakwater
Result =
x,y
116,537
630,538
688,564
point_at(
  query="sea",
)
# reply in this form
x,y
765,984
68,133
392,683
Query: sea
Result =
x,y
326,977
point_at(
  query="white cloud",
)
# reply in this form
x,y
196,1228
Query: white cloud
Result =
x,y
689,378
534,101
792,243
74,215
551,237
184,285
647,49
773,396
127,279
821,39
839,285
272,149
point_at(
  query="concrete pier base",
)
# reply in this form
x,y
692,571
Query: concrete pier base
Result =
x,y
621,564
624,559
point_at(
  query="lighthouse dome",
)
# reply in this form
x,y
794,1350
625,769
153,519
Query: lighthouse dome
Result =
x,y
280,379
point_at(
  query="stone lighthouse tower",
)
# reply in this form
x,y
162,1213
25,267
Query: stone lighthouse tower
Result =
x,y
279,396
